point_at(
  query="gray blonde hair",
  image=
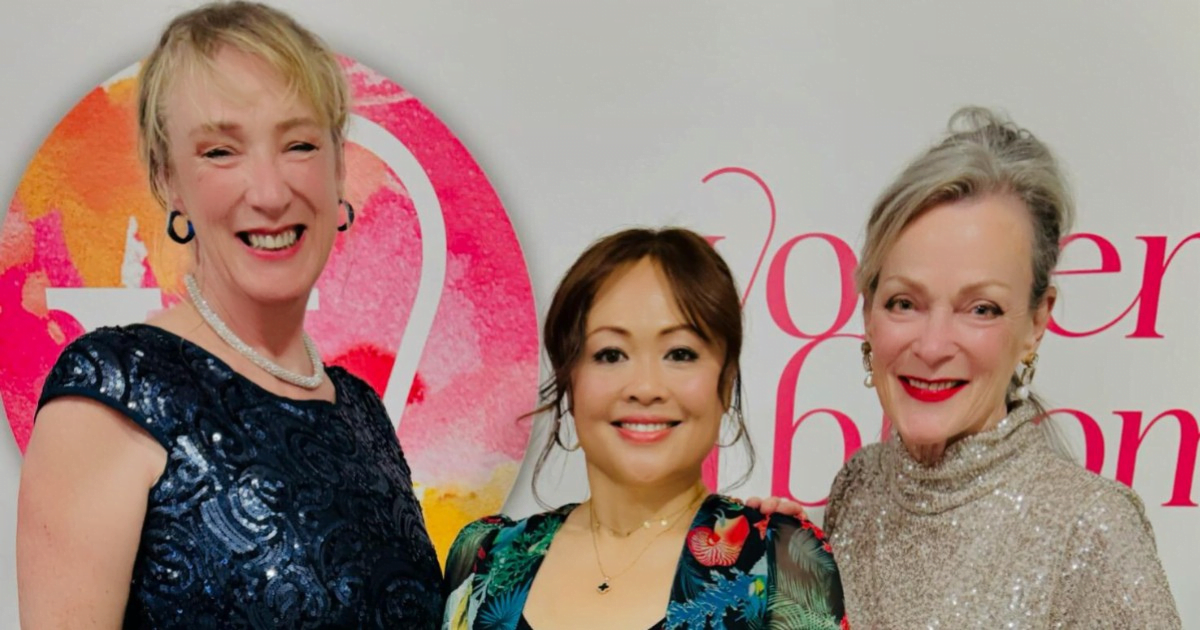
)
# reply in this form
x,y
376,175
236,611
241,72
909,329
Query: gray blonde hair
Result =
x,y
983,154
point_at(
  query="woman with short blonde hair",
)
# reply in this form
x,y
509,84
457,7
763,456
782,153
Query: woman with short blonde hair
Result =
x,y
205,469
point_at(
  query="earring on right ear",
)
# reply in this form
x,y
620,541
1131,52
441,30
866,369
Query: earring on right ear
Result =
x,y
1026,377
869,379
349,215
175,236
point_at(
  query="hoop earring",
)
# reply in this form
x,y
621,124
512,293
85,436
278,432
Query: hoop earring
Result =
x,y
559,442
869,380
349,215
182,240
1026,377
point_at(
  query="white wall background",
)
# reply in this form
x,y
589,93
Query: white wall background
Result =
x,y
587,117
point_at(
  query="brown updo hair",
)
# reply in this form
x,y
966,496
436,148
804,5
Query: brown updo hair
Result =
x,y
704,291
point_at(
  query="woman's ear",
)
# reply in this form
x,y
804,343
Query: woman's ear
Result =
x,y
341,167
162,180
1041,319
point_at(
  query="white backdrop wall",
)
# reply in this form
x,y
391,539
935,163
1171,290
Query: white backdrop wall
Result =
x,y
590,117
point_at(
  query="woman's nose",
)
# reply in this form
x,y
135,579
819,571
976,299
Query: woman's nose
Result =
x,y
267,190
935,342
646,383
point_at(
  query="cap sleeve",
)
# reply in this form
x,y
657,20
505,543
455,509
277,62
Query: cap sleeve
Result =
x,y
110,367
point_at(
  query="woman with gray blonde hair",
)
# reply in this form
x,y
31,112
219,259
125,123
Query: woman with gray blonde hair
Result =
x,y
969,516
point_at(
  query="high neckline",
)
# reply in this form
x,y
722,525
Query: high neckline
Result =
x,y
969,468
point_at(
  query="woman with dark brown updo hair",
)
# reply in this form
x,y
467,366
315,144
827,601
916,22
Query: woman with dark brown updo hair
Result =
x,y
644,336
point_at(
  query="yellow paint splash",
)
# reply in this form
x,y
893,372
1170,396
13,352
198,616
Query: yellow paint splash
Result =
x,y
448,509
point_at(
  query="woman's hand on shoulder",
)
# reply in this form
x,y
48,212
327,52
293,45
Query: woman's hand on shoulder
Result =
x,y
771,505
80,509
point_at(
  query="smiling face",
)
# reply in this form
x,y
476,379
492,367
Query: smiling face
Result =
x,y
646,393
257,175
950,318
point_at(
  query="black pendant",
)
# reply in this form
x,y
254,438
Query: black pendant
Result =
x,y
603,588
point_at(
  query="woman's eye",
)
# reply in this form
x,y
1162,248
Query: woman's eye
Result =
x,y
898,304
217,153
986,310
608,355
682,354
305,147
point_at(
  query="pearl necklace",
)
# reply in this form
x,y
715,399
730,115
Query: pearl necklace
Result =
x,y
242,348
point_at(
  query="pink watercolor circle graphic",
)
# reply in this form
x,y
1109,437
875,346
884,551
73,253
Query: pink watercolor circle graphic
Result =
x,y
427,298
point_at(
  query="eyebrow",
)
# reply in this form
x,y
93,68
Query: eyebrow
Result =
x,y
229,127
970,288
662,333
299,121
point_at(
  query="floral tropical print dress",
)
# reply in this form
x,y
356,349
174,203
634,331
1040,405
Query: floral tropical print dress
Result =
x,y
738,569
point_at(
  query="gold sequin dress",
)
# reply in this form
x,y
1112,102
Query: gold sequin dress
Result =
x,y
1002,533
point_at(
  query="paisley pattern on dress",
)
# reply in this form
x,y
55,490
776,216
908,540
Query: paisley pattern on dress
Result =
x,y
738,569
271,512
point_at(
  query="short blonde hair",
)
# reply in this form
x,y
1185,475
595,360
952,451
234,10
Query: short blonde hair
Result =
x,y
307,65
983,154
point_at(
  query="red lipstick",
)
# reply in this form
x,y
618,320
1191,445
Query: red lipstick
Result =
x,y
932,395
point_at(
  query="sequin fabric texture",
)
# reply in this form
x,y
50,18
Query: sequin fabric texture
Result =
x,y
1003,533
271,512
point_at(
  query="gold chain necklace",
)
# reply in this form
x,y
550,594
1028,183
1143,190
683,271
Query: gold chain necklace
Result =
x,y
662,521
605,585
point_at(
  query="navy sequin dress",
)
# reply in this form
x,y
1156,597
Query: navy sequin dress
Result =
x,y
271,512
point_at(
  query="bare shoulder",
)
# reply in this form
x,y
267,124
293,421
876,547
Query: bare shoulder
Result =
x,y
84,456
80,432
